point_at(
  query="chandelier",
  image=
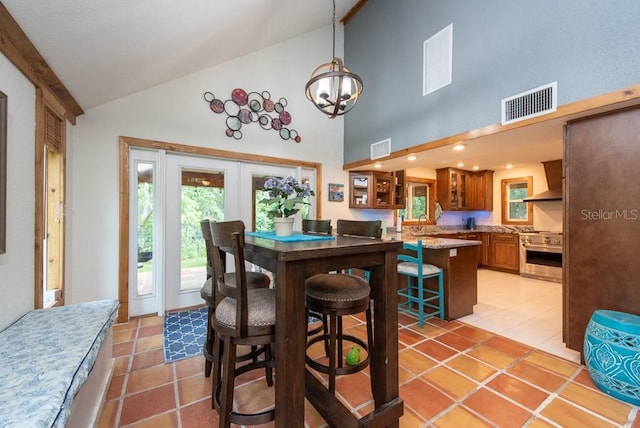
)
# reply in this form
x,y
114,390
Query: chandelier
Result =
x,y
332,88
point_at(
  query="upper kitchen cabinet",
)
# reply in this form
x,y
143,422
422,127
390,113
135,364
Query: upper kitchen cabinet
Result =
x,y
481,192
460,190
399,197
452,188
376,189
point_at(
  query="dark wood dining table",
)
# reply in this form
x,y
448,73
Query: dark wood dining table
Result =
x,y
292,263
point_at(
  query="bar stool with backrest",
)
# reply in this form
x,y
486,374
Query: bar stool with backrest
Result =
x,y
322,227
418,296
244,317
335,295
208,294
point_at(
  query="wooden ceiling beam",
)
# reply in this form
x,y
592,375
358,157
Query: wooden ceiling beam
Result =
x,y
352,12
17,47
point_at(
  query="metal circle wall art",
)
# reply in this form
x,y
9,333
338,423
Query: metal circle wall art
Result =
x,y
244,108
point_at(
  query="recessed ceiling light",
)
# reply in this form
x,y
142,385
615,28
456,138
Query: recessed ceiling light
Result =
x,y
509,166
460,165
459,147
475,167
411,157
377,165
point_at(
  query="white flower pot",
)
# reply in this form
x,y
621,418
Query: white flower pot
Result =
x,y
284,225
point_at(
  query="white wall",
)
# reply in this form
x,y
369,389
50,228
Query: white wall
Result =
x,y
176,112
16,265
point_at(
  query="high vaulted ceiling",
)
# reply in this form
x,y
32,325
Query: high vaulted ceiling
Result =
x,y
102,50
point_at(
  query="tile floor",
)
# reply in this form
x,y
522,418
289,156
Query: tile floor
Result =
x,y
452,374
523,309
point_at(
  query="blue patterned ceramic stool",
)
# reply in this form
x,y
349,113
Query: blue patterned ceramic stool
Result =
x,y
612,354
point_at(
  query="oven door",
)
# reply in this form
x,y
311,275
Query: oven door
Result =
x,y
542,262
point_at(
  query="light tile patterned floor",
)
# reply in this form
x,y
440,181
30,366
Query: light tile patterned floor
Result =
x,y
523,309
451,375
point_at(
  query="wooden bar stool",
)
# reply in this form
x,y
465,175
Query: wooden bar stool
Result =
x,y
208,294
334,295
418,296
245,317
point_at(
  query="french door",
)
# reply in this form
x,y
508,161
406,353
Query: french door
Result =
x,y
170,193
146,215
196,188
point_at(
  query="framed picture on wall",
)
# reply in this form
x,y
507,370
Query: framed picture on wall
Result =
x,y
336,192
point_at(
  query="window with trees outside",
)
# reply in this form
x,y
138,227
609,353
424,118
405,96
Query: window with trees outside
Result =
x,y
261,219
514,209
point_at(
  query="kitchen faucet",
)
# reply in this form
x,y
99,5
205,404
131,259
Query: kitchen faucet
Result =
x,y
420,218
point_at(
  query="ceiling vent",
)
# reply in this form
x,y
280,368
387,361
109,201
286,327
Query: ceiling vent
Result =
x,y
536,102
381,149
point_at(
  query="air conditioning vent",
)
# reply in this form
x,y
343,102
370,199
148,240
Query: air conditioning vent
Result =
x,y
529,104
381,149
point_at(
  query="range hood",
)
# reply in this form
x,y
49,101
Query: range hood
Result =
x,y
553,171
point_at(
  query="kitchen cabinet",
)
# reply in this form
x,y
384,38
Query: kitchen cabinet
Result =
x,y
399,197
504,252
460,190
376,189
452,188
481,194
485,258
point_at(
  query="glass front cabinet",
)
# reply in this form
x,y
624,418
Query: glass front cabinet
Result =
x,y
376,189
465,190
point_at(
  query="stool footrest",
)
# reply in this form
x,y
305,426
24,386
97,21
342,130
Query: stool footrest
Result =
x,y
340,370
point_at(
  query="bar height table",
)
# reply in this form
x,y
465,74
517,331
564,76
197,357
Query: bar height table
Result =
x,y
292,263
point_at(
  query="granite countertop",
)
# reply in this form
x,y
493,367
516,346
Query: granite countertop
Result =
x,y
440,243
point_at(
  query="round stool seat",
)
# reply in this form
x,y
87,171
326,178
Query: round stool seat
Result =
x,y
335,295
337,291
612,354
254,280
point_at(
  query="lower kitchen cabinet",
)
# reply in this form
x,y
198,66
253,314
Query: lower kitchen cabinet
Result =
x,y
503,252
499,251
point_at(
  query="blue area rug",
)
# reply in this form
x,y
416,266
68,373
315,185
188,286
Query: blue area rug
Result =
x,y
184,334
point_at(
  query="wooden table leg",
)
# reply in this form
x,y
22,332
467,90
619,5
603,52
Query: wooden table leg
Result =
x,y
290,345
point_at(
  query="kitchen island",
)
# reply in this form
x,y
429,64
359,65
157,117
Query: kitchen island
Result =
x,y
458,260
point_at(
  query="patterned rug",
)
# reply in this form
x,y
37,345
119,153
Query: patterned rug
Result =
x,y
184,334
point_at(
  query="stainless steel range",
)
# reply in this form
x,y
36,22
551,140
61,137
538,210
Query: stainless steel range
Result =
x,y
541,255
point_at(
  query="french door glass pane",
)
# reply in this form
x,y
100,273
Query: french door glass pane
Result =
x,y
262,220
145,202
202,197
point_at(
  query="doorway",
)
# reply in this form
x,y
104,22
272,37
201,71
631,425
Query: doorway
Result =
x,y
169,193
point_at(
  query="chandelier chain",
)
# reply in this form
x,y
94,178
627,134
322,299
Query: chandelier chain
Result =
x,y
334,29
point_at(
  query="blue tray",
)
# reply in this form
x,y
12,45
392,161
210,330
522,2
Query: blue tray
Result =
x,y
296,237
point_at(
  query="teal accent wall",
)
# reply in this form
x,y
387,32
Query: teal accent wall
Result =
x,y
500,48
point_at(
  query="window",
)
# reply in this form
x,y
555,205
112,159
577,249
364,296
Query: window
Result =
x,y
514,210
419,202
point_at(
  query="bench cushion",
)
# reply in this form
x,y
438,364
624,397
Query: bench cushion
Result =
x,y
45,357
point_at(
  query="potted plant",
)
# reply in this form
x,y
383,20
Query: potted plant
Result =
x,y
280,192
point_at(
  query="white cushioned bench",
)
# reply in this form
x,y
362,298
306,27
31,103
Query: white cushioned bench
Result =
x,y
46,358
